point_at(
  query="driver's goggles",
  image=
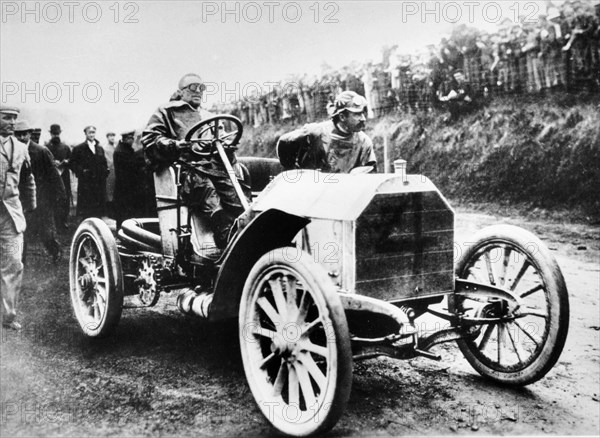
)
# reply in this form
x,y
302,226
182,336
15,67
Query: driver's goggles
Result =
x,y
196,88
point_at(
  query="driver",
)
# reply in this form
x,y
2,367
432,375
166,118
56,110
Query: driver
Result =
x,y
337,145
206,189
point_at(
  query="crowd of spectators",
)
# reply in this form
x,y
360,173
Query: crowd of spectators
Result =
x,y
560,49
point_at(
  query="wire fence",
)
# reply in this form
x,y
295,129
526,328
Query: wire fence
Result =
x,y
559,52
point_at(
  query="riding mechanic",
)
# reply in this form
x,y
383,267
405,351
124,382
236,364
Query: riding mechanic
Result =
x,y
206,187
338,145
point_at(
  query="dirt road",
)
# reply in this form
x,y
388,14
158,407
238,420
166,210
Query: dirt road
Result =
x,y
164,374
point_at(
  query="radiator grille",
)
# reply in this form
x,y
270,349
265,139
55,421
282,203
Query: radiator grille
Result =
x,y
404,246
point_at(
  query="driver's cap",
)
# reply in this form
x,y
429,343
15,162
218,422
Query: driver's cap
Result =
x,y
349,101
190,78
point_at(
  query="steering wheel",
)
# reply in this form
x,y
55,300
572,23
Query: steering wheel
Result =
x,y
222,128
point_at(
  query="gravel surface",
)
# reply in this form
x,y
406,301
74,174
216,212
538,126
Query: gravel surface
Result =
x,y
165,374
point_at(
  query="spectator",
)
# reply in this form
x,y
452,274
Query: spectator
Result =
x,y
520,57
128,180
458,97
17,191
88,163
61,154
109,151
50,192
531,51
147,195
36,133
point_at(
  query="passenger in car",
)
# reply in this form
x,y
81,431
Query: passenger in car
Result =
x,y
338,145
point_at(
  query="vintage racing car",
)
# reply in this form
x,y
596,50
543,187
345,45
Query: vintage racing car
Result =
x,y
325,269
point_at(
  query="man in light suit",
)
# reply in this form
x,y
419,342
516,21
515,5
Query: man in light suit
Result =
x,y
17,190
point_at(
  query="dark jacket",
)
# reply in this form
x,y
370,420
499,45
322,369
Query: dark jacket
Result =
x,y
128,183
50,188
91,170
61,154
169,123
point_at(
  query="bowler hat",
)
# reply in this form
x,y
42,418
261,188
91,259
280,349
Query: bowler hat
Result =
x,y
55,129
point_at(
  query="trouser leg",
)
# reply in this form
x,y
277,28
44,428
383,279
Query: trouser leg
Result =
x,y
48,235
200,195
216,197
61,213
11,267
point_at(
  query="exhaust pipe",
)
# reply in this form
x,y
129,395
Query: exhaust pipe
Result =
x,y
190,302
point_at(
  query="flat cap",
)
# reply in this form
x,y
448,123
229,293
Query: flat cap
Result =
x,y
9,110
128,133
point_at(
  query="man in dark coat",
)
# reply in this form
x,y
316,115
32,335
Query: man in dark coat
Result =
x,y
109,151
89,165
61,153
36,133
207,189
147,198
50,192
128,180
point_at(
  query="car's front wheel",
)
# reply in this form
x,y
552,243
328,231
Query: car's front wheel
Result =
x,y
295,343
525,342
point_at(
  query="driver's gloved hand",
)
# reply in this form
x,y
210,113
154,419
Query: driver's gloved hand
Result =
x,y
166,144
182,144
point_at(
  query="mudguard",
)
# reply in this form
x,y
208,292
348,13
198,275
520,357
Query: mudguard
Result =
x,y
269,230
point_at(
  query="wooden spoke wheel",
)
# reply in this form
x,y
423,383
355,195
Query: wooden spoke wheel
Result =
x,y
295,344
96,281
529,339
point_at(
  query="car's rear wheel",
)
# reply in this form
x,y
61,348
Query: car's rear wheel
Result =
x,y
295,343
528,341
96,280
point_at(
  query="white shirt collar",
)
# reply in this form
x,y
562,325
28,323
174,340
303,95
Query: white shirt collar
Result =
x,y
92,146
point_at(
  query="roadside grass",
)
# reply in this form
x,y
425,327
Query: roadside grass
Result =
x,y
539,154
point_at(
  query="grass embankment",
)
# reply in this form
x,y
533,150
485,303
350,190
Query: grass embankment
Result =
x,y
538,153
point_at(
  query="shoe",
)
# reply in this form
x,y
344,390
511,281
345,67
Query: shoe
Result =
x,y
13,325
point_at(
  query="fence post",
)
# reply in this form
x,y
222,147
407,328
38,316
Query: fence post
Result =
x,y
386,155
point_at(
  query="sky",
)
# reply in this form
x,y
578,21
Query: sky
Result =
x,y
111,64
